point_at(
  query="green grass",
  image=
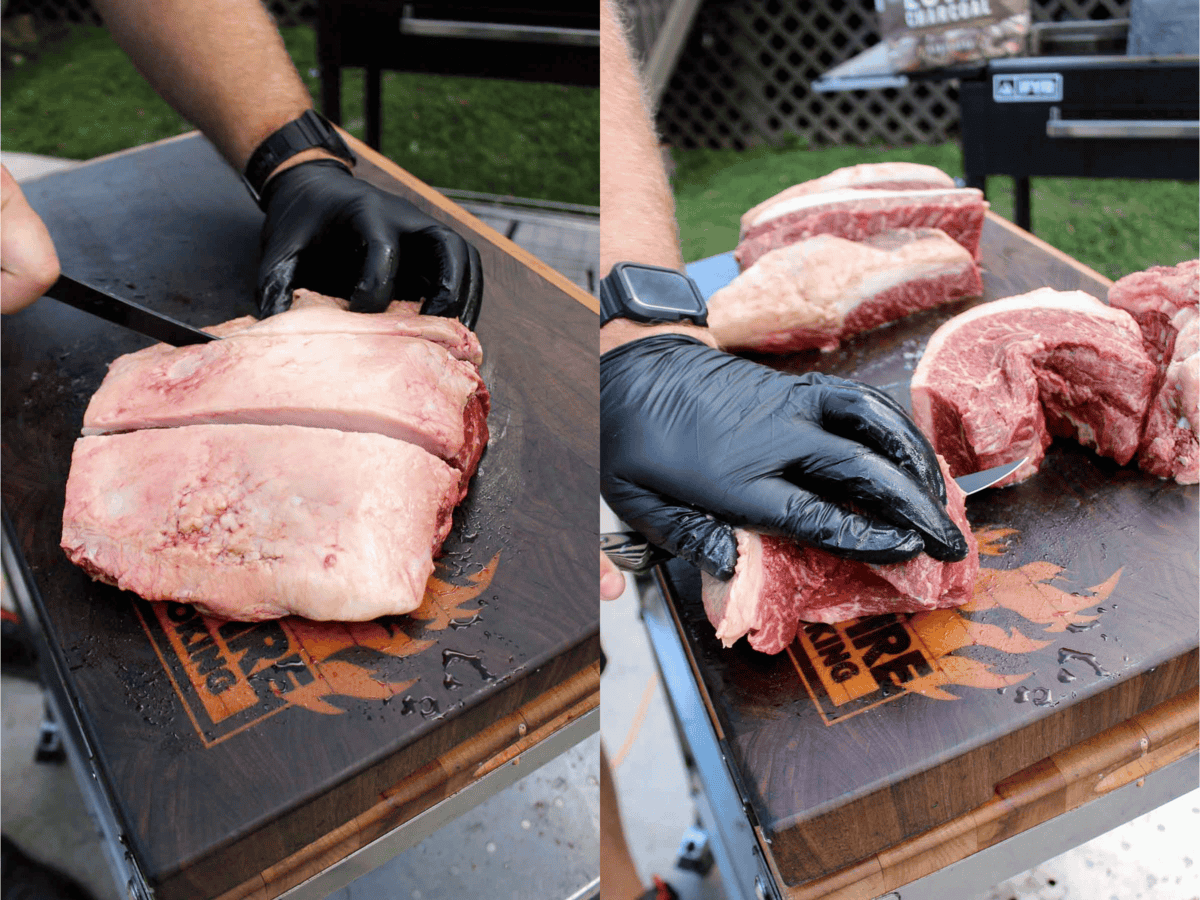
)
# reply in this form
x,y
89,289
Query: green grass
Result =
x,y
82,98
1115,226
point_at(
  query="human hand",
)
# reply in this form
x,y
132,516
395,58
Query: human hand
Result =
x,y
338,235
612,582
28,263
695,441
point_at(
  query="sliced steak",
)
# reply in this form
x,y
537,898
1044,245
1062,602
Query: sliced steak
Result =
x,y
313,313
255,522
1165,301
894,176
405,388
857,214
779,583
820,290
997,382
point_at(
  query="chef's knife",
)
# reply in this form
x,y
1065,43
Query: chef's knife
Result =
x,y
126,313
633,553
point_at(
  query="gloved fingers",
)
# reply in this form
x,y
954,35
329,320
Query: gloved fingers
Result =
x,y
688,533
818,522
871,417
472,292
377,278
845,471
275,282
452,271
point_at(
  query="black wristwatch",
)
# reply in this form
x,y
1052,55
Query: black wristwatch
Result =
x,y
309,131
650,294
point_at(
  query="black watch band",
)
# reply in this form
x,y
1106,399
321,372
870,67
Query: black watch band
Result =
x,y
650,294
309,131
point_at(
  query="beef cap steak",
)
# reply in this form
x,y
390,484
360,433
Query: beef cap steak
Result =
x,y
999,381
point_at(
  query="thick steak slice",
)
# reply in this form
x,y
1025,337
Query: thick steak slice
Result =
x,y
895,176
855,214
997,382
255,522
404,388
1165,301
314,313
778,584
818,291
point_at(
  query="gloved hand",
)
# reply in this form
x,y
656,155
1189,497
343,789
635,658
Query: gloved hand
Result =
x,y
336,234
695,441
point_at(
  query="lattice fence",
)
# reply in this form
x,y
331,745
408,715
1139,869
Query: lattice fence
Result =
x,y
744,74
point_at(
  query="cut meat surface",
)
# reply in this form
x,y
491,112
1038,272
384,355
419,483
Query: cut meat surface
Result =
x,y
895,176
820,290
998,382
255,522
779,583
405,388
313,313
858,214
1165,301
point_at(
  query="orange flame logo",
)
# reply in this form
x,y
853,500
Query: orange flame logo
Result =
x,y
232,674
847,667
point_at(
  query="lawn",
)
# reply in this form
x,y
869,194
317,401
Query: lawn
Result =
x,y
81,97
1115,226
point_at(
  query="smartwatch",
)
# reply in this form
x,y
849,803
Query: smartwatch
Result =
x,y
309,131
650,294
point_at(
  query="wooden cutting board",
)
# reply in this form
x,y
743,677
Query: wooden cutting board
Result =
x,y
867,734
229,746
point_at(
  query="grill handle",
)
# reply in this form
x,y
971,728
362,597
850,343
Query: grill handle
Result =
x,y
1145,129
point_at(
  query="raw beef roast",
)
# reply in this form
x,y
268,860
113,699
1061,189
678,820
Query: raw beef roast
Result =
x,y
822,289
779,583
857,214
254,522
403,387
313,313
1165,301
999,381
895,176
291,467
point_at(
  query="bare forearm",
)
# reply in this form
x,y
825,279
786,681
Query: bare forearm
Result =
x,y
638,219
221,64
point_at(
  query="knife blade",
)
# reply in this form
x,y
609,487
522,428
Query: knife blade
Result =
x,y
126,313
633,553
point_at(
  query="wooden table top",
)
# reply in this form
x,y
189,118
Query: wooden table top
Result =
x,y
230,748
1084,617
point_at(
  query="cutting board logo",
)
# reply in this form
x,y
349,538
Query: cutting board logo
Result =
x,y
852,666
231,675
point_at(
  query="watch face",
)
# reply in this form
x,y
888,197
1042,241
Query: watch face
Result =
x,y
661,293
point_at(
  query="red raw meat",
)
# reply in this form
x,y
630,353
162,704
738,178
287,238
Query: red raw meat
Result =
x,y
820,290
779,583
1165,301
997,382
255,522
857,214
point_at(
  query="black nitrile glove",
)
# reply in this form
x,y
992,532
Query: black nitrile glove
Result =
x,y
696,441
336,234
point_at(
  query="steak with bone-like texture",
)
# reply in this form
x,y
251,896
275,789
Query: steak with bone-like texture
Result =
x,y
255,522
894,176
820,290
1165,301
779,583
999,381
857,214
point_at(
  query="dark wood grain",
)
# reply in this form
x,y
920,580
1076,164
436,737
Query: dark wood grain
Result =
x,y
1089,618
326,722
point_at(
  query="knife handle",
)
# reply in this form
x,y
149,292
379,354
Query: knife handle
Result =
x,y
631,552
